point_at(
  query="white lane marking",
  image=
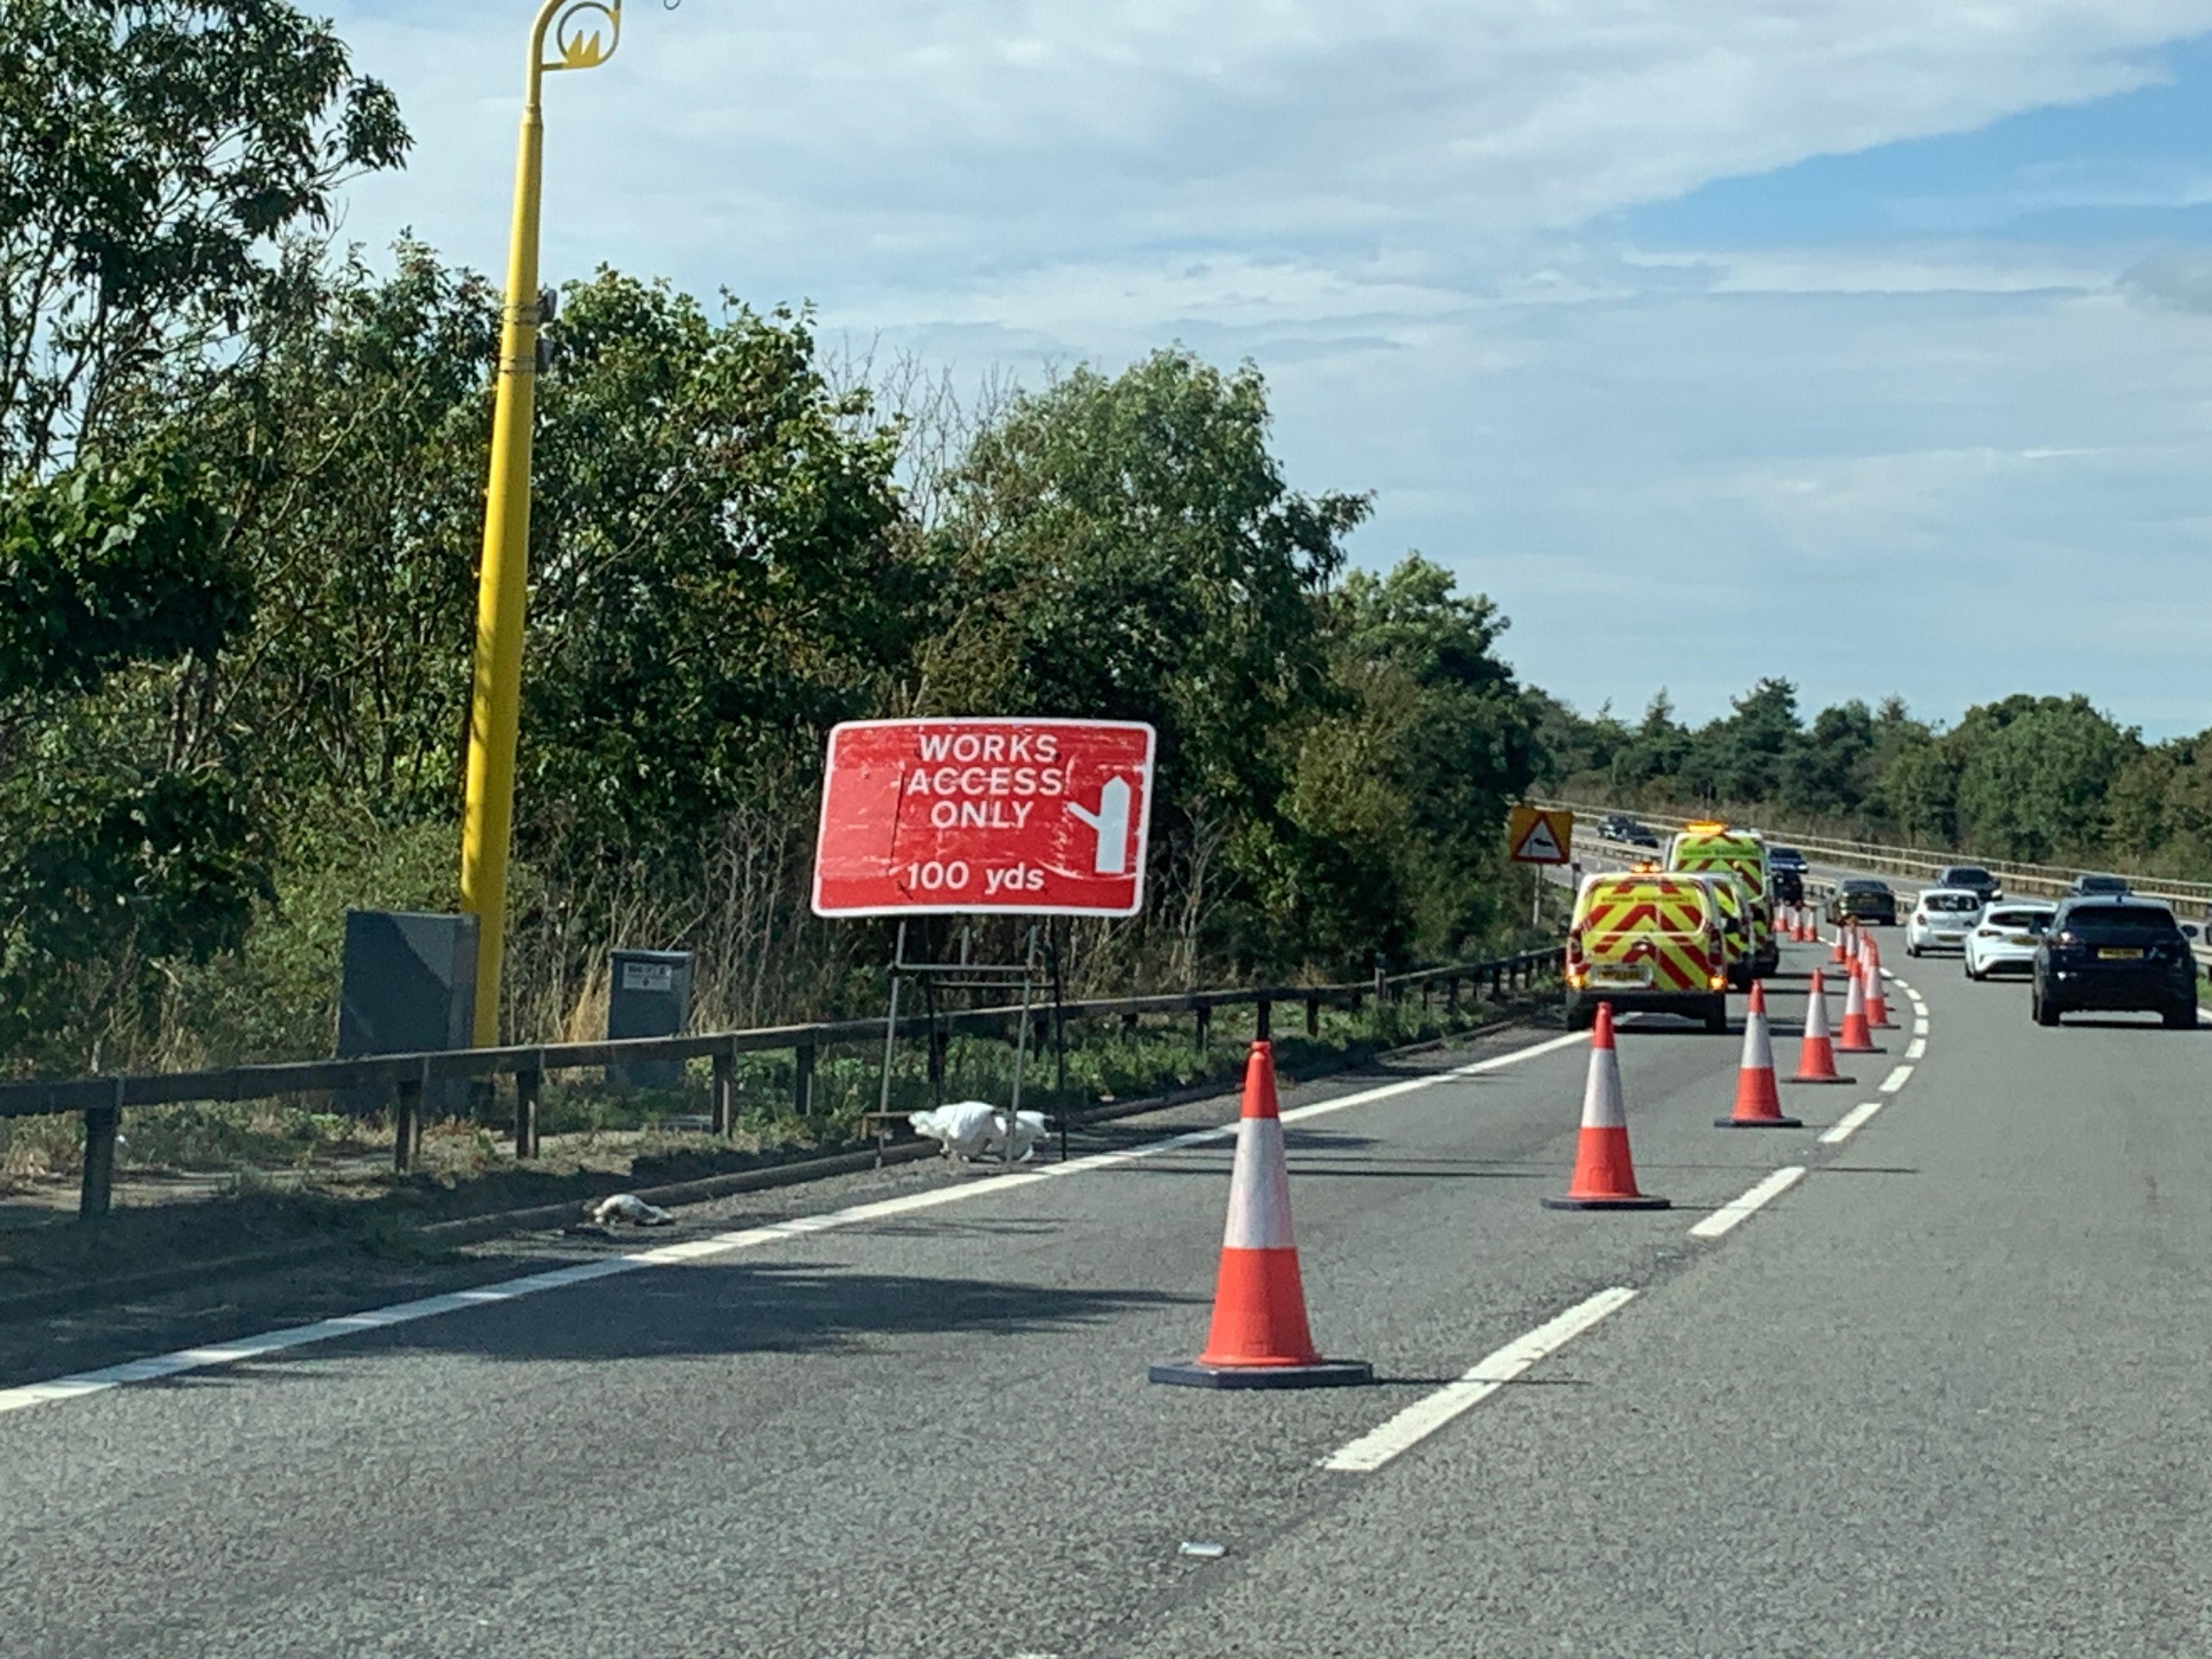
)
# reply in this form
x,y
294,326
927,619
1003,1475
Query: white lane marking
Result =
x,y
1920,1025
1851,1123
1895,1080
1721,1220
1903,986
1916,1049
429,1307
1431,1411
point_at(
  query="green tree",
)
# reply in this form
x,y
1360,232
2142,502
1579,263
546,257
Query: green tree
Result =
x,y
1400,794
1128,547
1745,756
722,566
123,858
351,463
2034,773
154,154
1830,771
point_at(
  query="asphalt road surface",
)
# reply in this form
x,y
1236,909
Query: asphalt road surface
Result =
x,y
1945,1394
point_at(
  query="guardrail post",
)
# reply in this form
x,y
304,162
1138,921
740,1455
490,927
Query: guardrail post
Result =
x,y
1263,1020
1205,1013
722,1101
102,1124
1497,981
802,1082
529,1084
1451,995
939,1041
1382,982
1313,1016
406,1125
1129,1025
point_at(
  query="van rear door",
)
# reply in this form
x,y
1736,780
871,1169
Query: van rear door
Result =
x,y
1655,932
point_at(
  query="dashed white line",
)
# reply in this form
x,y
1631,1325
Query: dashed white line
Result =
x,y
1896,1081
1920,1025
1851,1123
1916,1049
1431,1411
1733,1213
405,1313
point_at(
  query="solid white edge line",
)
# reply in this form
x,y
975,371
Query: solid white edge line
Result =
x,y
1431,1411
1895,1080
1850,1122
1721,1220
241,1349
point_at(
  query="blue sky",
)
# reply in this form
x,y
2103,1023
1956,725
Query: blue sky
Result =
x,y
1858,341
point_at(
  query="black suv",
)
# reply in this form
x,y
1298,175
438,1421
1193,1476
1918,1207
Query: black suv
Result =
x,y
1619,826
1970,877
2116,954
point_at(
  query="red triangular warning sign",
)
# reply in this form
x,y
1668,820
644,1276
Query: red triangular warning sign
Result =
x,y
1539,845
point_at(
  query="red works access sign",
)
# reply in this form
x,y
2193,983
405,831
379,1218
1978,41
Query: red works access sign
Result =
x,y
1043,816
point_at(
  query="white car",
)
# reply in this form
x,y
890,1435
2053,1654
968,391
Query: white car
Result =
x,y
1941,919
2006,937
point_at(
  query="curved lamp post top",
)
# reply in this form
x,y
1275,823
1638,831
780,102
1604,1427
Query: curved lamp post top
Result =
x,y
581,34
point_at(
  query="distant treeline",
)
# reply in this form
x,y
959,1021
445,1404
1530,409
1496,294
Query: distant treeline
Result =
x,y
2039,779
241,478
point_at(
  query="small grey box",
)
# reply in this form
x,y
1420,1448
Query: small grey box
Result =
x,y
408,986
648,994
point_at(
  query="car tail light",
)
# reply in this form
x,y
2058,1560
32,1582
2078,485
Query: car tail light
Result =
x,y
1717,982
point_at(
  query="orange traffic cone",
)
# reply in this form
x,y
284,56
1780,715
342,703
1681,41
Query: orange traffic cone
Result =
x,y
1851,939
1837,952
1808,932
1758,1106
1260,1338
1877,1006
1785,922
1816,1057
1856,1039
1604,1175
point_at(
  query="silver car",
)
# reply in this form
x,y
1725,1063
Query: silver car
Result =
x,y
2005,937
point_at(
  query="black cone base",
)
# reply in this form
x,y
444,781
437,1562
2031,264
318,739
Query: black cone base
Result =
x,y
1608,1204
1759,1123
1819,1080
1325,1374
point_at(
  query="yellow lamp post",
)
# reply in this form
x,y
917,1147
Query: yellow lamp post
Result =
x,y
573,30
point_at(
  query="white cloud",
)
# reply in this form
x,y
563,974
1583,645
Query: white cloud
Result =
x,y
1387,207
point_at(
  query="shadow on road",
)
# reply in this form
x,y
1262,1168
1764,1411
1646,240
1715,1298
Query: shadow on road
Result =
x,y
714,1310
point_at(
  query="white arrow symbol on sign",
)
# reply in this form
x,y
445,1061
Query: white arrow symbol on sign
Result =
x,y
1111,821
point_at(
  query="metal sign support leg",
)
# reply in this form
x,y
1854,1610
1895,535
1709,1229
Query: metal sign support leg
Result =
x,y
1021,1043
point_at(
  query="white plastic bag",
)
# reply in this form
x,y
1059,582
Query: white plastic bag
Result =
x,y
976,1129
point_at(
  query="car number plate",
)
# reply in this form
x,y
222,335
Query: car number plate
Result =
x,y
2110,953
1621,973
2022,938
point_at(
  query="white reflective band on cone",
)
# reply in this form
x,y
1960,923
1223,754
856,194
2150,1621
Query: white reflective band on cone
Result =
x,y
1601,1106
1259,1190
1758,1043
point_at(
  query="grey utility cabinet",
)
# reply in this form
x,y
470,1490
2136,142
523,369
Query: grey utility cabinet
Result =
x,y
648,994
408,986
